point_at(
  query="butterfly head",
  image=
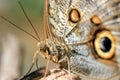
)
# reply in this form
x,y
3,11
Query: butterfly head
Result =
x,y
54,51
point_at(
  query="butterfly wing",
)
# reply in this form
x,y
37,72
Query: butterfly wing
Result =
x,y
83,60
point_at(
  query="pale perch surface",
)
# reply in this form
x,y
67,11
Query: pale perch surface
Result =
x,y
54,74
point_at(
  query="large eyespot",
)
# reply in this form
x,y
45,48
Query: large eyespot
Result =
x,y
74,16
105,44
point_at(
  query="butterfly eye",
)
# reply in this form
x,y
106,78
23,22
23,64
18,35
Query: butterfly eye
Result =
x,y
74,16
105,44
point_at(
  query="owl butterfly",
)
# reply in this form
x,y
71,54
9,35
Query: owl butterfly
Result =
x,y
83,37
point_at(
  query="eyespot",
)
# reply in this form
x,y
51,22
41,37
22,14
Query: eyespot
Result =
x,y
96,20
105,44
74,16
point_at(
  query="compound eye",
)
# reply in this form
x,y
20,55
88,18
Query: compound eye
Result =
x,y
74,16
105,44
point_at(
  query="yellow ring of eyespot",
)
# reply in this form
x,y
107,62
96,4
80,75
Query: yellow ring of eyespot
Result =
x,y
99,36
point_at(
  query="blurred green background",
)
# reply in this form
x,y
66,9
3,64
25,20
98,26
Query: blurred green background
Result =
x,y
12,11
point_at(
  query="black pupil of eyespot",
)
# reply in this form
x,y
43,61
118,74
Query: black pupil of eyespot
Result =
x,y
105,44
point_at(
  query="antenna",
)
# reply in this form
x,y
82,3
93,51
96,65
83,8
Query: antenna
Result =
x,y
18,27
28,20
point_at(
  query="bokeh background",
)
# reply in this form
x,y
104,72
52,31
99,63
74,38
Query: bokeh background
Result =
x,y
12,11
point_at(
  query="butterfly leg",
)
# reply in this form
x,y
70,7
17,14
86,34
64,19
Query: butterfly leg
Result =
x,y
47,66
37,63
33,61
68,62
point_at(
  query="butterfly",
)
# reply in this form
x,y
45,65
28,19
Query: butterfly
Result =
x,y
86,35
82,36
